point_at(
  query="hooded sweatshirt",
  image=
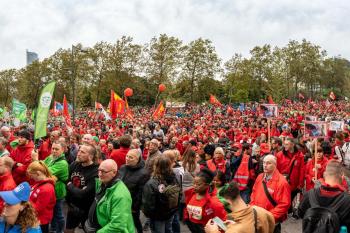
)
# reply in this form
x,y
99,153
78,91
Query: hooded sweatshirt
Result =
x,y
22,154
43,199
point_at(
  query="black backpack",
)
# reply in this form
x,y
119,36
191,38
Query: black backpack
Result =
x,y
318,219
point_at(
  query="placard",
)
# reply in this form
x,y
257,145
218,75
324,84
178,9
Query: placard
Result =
x,y
336,125
269,110
315,129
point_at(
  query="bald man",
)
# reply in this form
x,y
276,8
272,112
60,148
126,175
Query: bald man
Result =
x,y
271,191
135,176
6,133
87,139
111,209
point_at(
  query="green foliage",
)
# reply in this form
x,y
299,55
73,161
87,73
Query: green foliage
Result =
x,y
190,71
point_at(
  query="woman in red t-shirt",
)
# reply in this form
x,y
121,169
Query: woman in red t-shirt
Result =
x,y
202,202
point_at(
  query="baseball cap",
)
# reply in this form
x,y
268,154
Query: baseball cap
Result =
x,y
95,139
237,145
19,194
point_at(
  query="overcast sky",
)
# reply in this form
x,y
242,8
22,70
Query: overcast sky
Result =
x,y
234,26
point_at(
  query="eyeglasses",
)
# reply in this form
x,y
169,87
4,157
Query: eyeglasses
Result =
x,y
103,171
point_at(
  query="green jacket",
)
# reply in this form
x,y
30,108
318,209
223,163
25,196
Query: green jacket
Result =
x,y
59,168
113,211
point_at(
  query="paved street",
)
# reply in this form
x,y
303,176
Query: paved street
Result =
x,y
290,226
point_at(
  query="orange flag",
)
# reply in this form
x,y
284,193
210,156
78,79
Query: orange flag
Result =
x,y
160,111
214,101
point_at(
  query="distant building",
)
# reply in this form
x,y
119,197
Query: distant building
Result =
x,y
31,57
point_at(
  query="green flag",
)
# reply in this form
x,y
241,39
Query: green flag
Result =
x,y
19,110
1,111
43,110
33,114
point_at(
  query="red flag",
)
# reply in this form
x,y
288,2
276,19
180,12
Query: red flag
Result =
x,y
116,105
112,108
214,101
301,96
160,111
66,112
128,111
332,95
229,110
270,100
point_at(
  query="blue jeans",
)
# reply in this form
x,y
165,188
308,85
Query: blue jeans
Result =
x,y
57,223
176,223
164,226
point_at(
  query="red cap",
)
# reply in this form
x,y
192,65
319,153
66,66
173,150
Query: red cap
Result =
x,y
264,148
237,145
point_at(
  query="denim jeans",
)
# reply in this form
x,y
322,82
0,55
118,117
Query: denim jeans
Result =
x,y
164,226
176,223
57,223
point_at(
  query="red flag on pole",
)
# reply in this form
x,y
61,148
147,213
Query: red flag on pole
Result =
x,y
160,111
214,101
229,110
270,100
301,96
66,112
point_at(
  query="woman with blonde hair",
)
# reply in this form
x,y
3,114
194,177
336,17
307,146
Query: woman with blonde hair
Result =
x,y
43,196
18,215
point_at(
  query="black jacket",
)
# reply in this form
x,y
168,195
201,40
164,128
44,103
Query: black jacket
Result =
x,y
151,198
81,185
325,196
134,178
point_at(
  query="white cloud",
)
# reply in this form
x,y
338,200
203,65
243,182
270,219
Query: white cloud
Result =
x,y
233,26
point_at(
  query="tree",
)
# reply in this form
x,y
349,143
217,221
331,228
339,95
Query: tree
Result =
x,y
162,59
7,85
200,61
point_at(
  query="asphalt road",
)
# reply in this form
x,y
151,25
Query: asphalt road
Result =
x,y
289,226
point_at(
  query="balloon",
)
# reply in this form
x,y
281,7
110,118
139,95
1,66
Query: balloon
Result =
x,y
128,92
162,87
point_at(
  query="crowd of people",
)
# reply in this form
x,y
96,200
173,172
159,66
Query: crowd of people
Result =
x,y
212,169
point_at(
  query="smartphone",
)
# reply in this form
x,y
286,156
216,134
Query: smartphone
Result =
x,y
220,223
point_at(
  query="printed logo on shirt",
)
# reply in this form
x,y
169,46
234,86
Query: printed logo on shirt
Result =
x,y
195,212
78,180
271,190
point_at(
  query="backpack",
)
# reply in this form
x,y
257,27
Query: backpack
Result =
x,y
318,219
169,197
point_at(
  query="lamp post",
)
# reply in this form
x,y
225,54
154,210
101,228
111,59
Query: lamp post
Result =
x,y
73,75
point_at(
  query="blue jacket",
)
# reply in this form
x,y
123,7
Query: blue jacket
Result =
x,y
17,228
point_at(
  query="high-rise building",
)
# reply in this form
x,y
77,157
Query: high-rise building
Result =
x,y
31,57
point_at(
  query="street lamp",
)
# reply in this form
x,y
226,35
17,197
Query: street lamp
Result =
x,y
73,75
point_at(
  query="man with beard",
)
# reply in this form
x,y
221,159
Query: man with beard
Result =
x,y
134,175
81,187
22,156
